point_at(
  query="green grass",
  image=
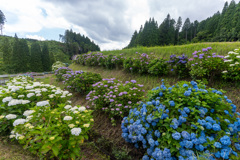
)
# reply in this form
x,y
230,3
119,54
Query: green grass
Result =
x,y
221,48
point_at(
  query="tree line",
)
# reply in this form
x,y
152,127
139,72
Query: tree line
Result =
x,y
77,43
19,57
224,26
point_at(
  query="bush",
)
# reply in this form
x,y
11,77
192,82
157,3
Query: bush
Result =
x,y
114,97
83,82
233,66
178,65
60,72
51,133
206,65
158,67
21,94
57,65
183,121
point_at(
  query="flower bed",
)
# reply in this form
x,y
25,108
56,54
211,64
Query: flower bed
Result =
x,y
42,119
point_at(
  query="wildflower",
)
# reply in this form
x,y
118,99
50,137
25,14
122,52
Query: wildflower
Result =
x,y
76,131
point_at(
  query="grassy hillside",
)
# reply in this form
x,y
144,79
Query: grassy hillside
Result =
x,y
57,48
221,48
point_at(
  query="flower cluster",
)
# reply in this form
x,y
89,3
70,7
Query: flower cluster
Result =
x,y
204,64
232,71
57,65
184,120
114,97
20,94
60,72
178,65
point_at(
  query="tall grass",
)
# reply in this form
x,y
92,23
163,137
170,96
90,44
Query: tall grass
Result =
x,y
221,48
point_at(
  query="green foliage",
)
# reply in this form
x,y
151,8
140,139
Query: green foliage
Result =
x,y
158,67
57,65
50,132
83,82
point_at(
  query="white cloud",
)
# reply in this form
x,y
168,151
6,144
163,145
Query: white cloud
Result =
x,y
37,37
108,23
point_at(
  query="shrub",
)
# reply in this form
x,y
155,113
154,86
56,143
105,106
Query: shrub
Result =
x,y
69,77
60,72
21,94
178,65
182,121
82,83
158,67
206,65
57,65
114,97
233,66
53,131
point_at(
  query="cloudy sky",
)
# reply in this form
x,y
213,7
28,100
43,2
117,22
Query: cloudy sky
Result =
x,y
109,23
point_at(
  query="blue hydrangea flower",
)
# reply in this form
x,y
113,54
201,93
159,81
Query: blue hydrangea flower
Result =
x,y
176,135
186,135
172,103
175,123
225,140
157,133
216,127
218,145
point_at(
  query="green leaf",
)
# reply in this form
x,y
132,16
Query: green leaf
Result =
x,y
55,150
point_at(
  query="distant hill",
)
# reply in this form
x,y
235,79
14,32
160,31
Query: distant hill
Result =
x,y
58,49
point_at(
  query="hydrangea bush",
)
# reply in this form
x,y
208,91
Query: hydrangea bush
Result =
x,y
50,131
183,121
83,82
178,65
207,65
158,67
60,72
57,65
233,66
114,97
20,94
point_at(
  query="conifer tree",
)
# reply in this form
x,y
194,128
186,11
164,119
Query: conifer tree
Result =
x,y
24,54
6,49
36,58
46,58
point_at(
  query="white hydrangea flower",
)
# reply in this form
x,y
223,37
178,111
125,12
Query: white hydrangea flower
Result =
x,y
21,96
25,101
29,95
74,108
67,118
1,117
58,92
238,56
224,71
44,89
227,56
51,95
232,65
63,96
28,112
15,88
11,136
71,125
69,102
42,103
28,118
7,99
69,94
236,62
76,131
231,52
75,112
68,106
82,108
38,95
29,87
11,116
14,102
19,121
